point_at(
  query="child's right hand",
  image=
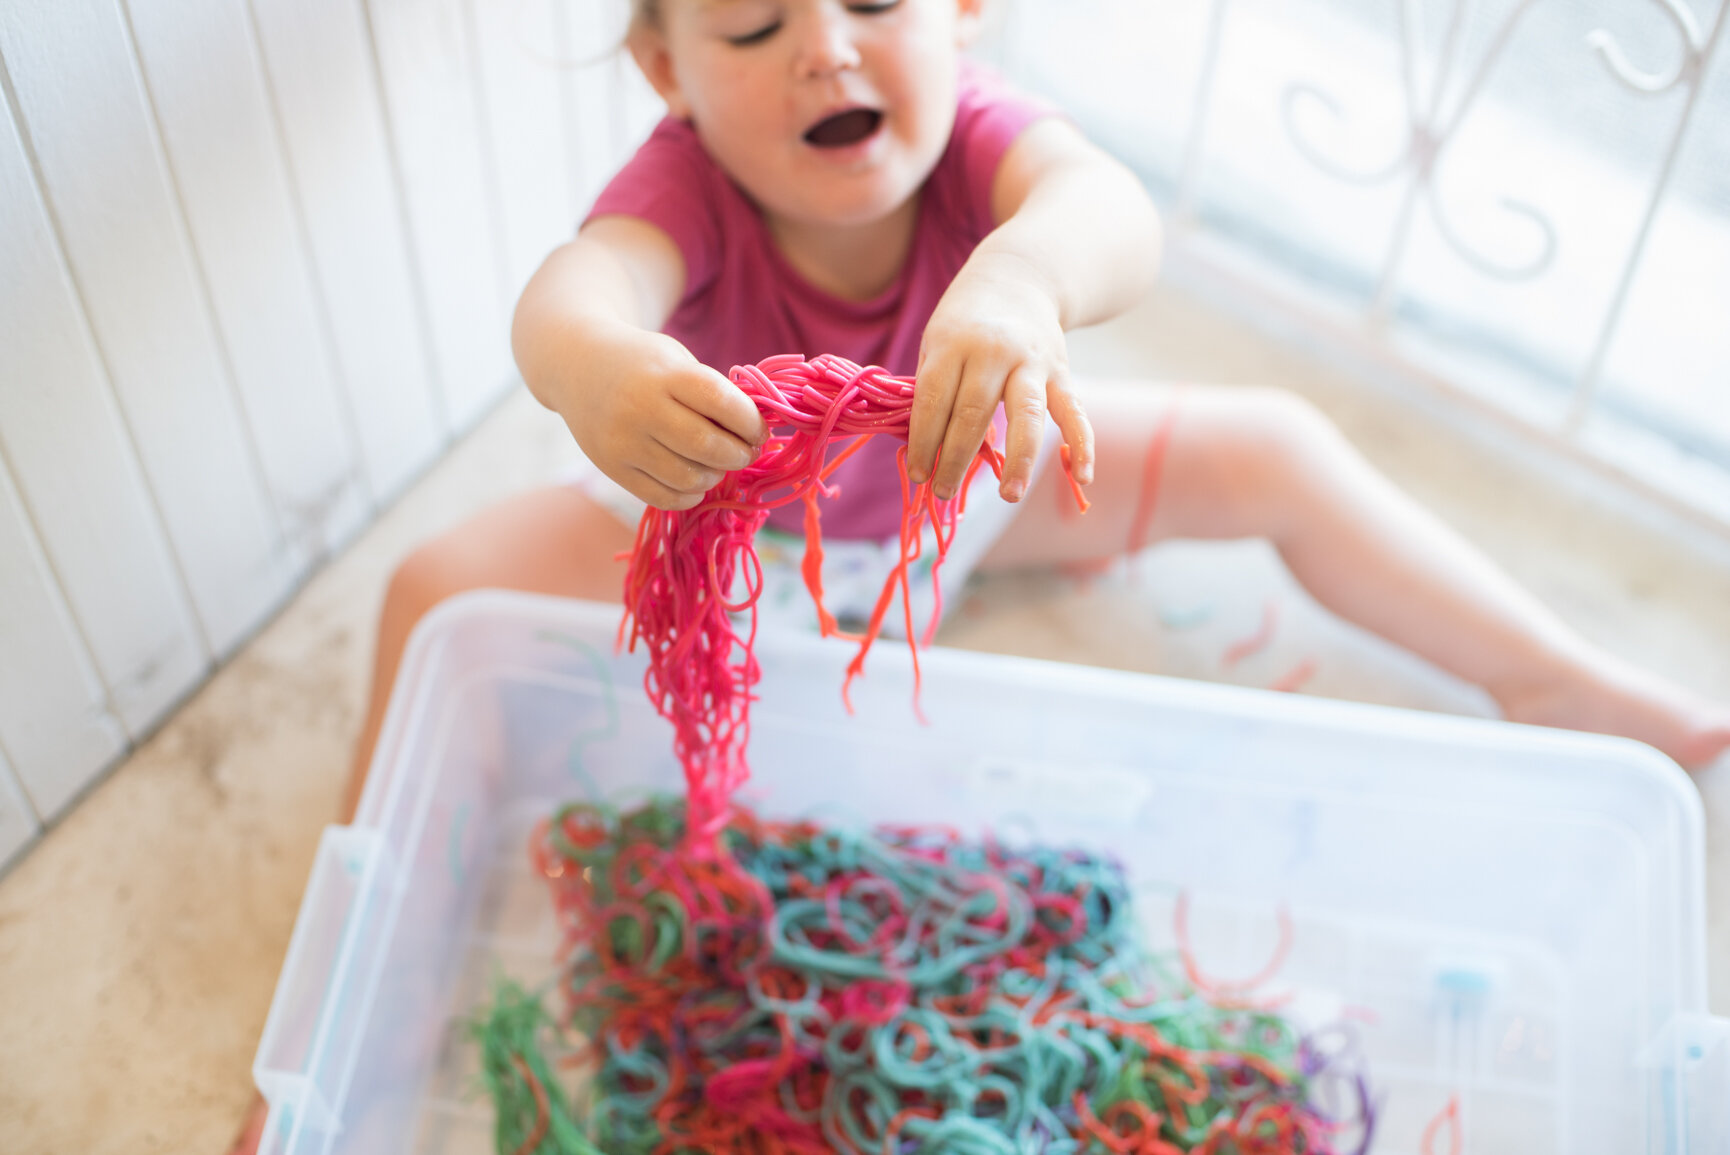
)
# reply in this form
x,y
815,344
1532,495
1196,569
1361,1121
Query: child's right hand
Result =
x,y
644,410
659,422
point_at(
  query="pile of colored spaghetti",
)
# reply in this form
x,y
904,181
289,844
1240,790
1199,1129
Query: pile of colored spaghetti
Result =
x,y
899,992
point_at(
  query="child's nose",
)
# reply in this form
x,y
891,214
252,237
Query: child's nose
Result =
x,y
826,45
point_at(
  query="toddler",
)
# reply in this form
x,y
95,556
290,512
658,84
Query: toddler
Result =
x,y
832,177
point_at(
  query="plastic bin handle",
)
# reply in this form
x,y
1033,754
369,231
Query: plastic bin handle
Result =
x,y
1690,1062
294,1064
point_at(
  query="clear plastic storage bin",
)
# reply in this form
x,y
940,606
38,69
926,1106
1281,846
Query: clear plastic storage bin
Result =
x,y
1513,915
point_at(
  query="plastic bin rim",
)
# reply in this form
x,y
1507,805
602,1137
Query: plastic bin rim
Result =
x,y
1186,693
542,613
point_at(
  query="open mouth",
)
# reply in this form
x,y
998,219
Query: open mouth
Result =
x,y
844,128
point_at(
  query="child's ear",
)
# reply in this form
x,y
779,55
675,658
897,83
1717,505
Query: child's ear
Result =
x,y
649,49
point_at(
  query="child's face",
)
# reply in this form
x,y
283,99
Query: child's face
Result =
x,y
827,112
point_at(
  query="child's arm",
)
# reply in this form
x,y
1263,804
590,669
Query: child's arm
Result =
x,y
646,412
1078,242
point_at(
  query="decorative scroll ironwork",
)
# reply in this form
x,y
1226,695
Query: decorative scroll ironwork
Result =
x,y
1431,125
1697,50
1688,64
1433,121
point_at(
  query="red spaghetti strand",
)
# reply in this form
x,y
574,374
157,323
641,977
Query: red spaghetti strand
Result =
x,y
1153,465
1256,642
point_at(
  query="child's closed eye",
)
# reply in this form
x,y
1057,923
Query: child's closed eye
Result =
x,y
757,36
744,23
765,30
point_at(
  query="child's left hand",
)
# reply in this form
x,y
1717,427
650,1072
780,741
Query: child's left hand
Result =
x,y
995,337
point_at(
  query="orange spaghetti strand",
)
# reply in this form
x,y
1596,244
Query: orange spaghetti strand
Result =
x,y
1081,502
1219,990
811,566
543,1110
1094,1129
1293,679
1450,1116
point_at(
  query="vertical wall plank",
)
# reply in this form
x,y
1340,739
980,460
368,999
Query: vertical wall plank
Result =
x,y
257,265
319,70
520,59
76,471
18,826
640,109
54,719
562,24
74,81
203,81
424,62
597,60
613,109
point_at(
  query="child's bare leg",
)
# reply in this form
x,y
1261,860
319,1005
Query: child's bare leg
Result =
x,y
1263,463
551,541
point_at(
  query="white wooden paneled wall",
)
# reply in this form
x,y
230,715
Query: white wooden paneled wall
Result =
x,y
257,260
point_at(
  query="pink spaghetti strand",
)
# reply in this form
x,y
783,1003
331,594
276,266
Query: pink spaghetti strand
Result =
x,y
693,572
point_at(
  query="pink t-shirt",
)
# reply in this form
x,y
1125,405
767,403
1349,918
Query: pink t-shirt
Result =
x,y
744,302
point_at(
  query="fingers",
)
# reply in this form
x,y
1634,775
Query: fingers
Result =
x,y
697,439
716,399
934,389
952,412
645,488
984,382
1024,405
710,428
1072,422
670,480
953,402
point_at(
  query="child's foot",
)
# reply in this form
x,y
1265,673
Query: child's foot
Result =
x,y
252,1131
1610,697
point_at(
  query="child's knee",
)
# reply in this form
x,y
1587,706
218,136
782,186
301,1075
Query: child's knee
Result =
x,y
1284,437
1278,419
1266,449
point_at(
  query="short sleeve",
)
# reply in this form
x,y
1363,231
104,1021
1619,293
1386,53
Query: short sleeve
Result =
x,y
670,184
989,115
